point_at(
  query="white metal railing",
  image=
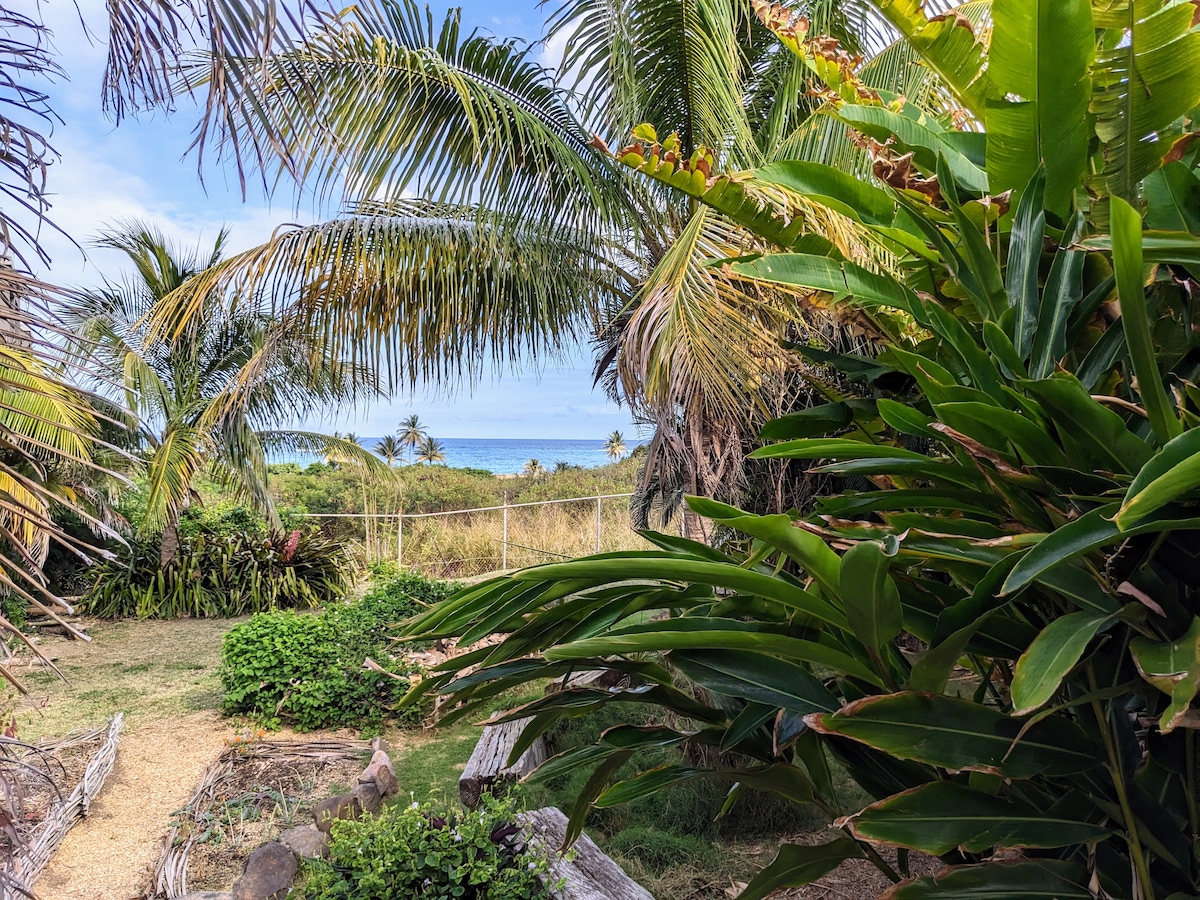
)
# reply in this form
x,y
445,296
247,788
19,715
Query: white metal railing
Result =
x,y
503,509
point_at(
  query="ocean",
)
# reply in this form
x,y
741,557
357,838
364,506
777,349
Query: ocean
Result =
x,y
504,457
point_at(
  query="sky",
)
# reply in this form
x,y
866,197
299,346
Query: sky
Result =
x,y
142,169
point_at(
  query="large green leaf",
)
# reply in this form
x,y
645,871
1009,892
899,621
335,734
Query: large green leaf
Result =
x,y
1172,199
958,734
1040,55
1009,880
713,634
869,595
1094,436
1127,262
1174,668
756,676
821,273
1053,654
1143,83
1173,472
940,817
1064,290
798,864
1091,530
948,45
665,568
778,531
1024,257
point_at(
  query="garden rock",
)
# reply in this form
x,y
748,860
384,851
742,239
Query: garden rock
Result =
x,y
368,797
345,806
306,841
268,874
380,771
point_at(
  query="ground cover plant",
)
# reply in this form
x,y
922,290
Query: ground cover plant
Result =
x,y
220,573
422,850
307,670
1021,492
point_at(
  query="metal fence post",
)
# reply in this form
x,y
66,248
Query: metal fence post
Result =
x,y
598,501
400,540
504,537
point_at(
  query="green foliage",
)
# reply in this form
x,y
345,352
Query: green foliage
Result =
x,y
658,850
220,573
399,595
422,851
1023,503
307,670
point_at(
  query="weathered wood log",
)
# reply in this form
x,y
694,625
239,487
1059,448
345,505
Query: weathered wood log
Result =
x,y
488,767
585,872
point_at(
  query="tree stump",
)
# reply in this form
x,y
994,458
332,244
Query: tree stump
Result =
x,y
585,872
488,768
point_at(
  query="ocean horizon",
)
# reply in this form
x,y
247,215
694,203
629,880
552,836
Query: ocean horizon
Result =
x,y
502,456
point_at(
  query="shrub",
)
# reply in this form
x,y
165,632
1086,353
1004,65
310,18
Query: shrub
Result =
x,y
420,851
220,574
307,670
404,594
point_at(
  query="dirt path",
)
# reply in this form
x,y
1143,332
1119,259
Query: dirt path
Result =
x,y
163,676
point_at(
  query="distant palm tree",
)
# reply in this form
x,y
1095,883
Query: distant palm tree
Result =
x,y
390,448
412,433
431,451
562,466
534,467
615,447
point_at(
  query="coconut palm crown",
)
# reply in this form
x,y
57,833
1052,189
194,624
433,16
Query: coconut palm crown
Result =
x,y
214,397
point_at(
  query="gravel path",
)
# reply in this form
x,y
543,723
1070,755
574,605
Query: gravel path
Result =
x,y
163,675
110,855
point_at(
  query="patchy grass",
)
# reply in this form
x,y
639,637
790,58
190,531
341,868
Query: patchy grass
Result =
x,y
152,671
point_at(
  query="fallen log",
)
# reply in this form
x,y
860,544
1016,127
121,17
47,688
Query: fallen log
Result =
x,y
488,768
584,872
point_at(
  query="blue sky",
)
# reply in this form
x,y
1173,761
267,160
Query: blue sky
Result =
x,y
139,169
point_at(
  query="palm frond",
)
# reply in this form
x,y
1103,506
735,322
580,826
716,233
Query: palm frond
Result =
x,y
693,82
419,292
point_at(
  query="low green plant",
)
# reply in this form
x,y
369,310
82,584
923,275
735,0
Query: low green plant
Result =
x,y
308,670
405,594
658,850
423,851
218,575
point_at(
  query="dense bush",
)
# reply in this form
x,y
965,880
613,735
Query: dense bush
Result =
x,y
219,574
419,851
307,670
403,594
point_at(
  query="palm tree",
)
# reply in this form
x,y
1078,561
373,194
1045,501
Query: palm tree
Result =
x,y
614,447
431,451
534,468
536,232
412,432
390,448
213,397
561,466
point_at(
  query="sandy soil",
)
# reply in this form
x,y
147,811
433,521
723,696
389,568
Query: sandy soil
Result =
x,y
111,854
163,676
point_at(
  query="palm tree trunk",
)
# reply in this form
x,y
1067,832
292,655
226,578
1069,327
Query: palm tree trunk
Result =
x,y
169,548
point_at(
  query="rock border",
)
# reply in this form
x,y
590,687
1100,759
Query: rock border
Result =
x,y
170,879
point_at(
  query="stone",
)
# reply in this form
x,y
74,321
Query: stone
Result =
x,y
368,797
385,781
306,841
268,874
380,771
344,806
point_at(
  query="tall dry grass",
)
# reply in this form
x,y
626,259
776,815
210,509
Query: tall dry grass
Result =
x,y
471,544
